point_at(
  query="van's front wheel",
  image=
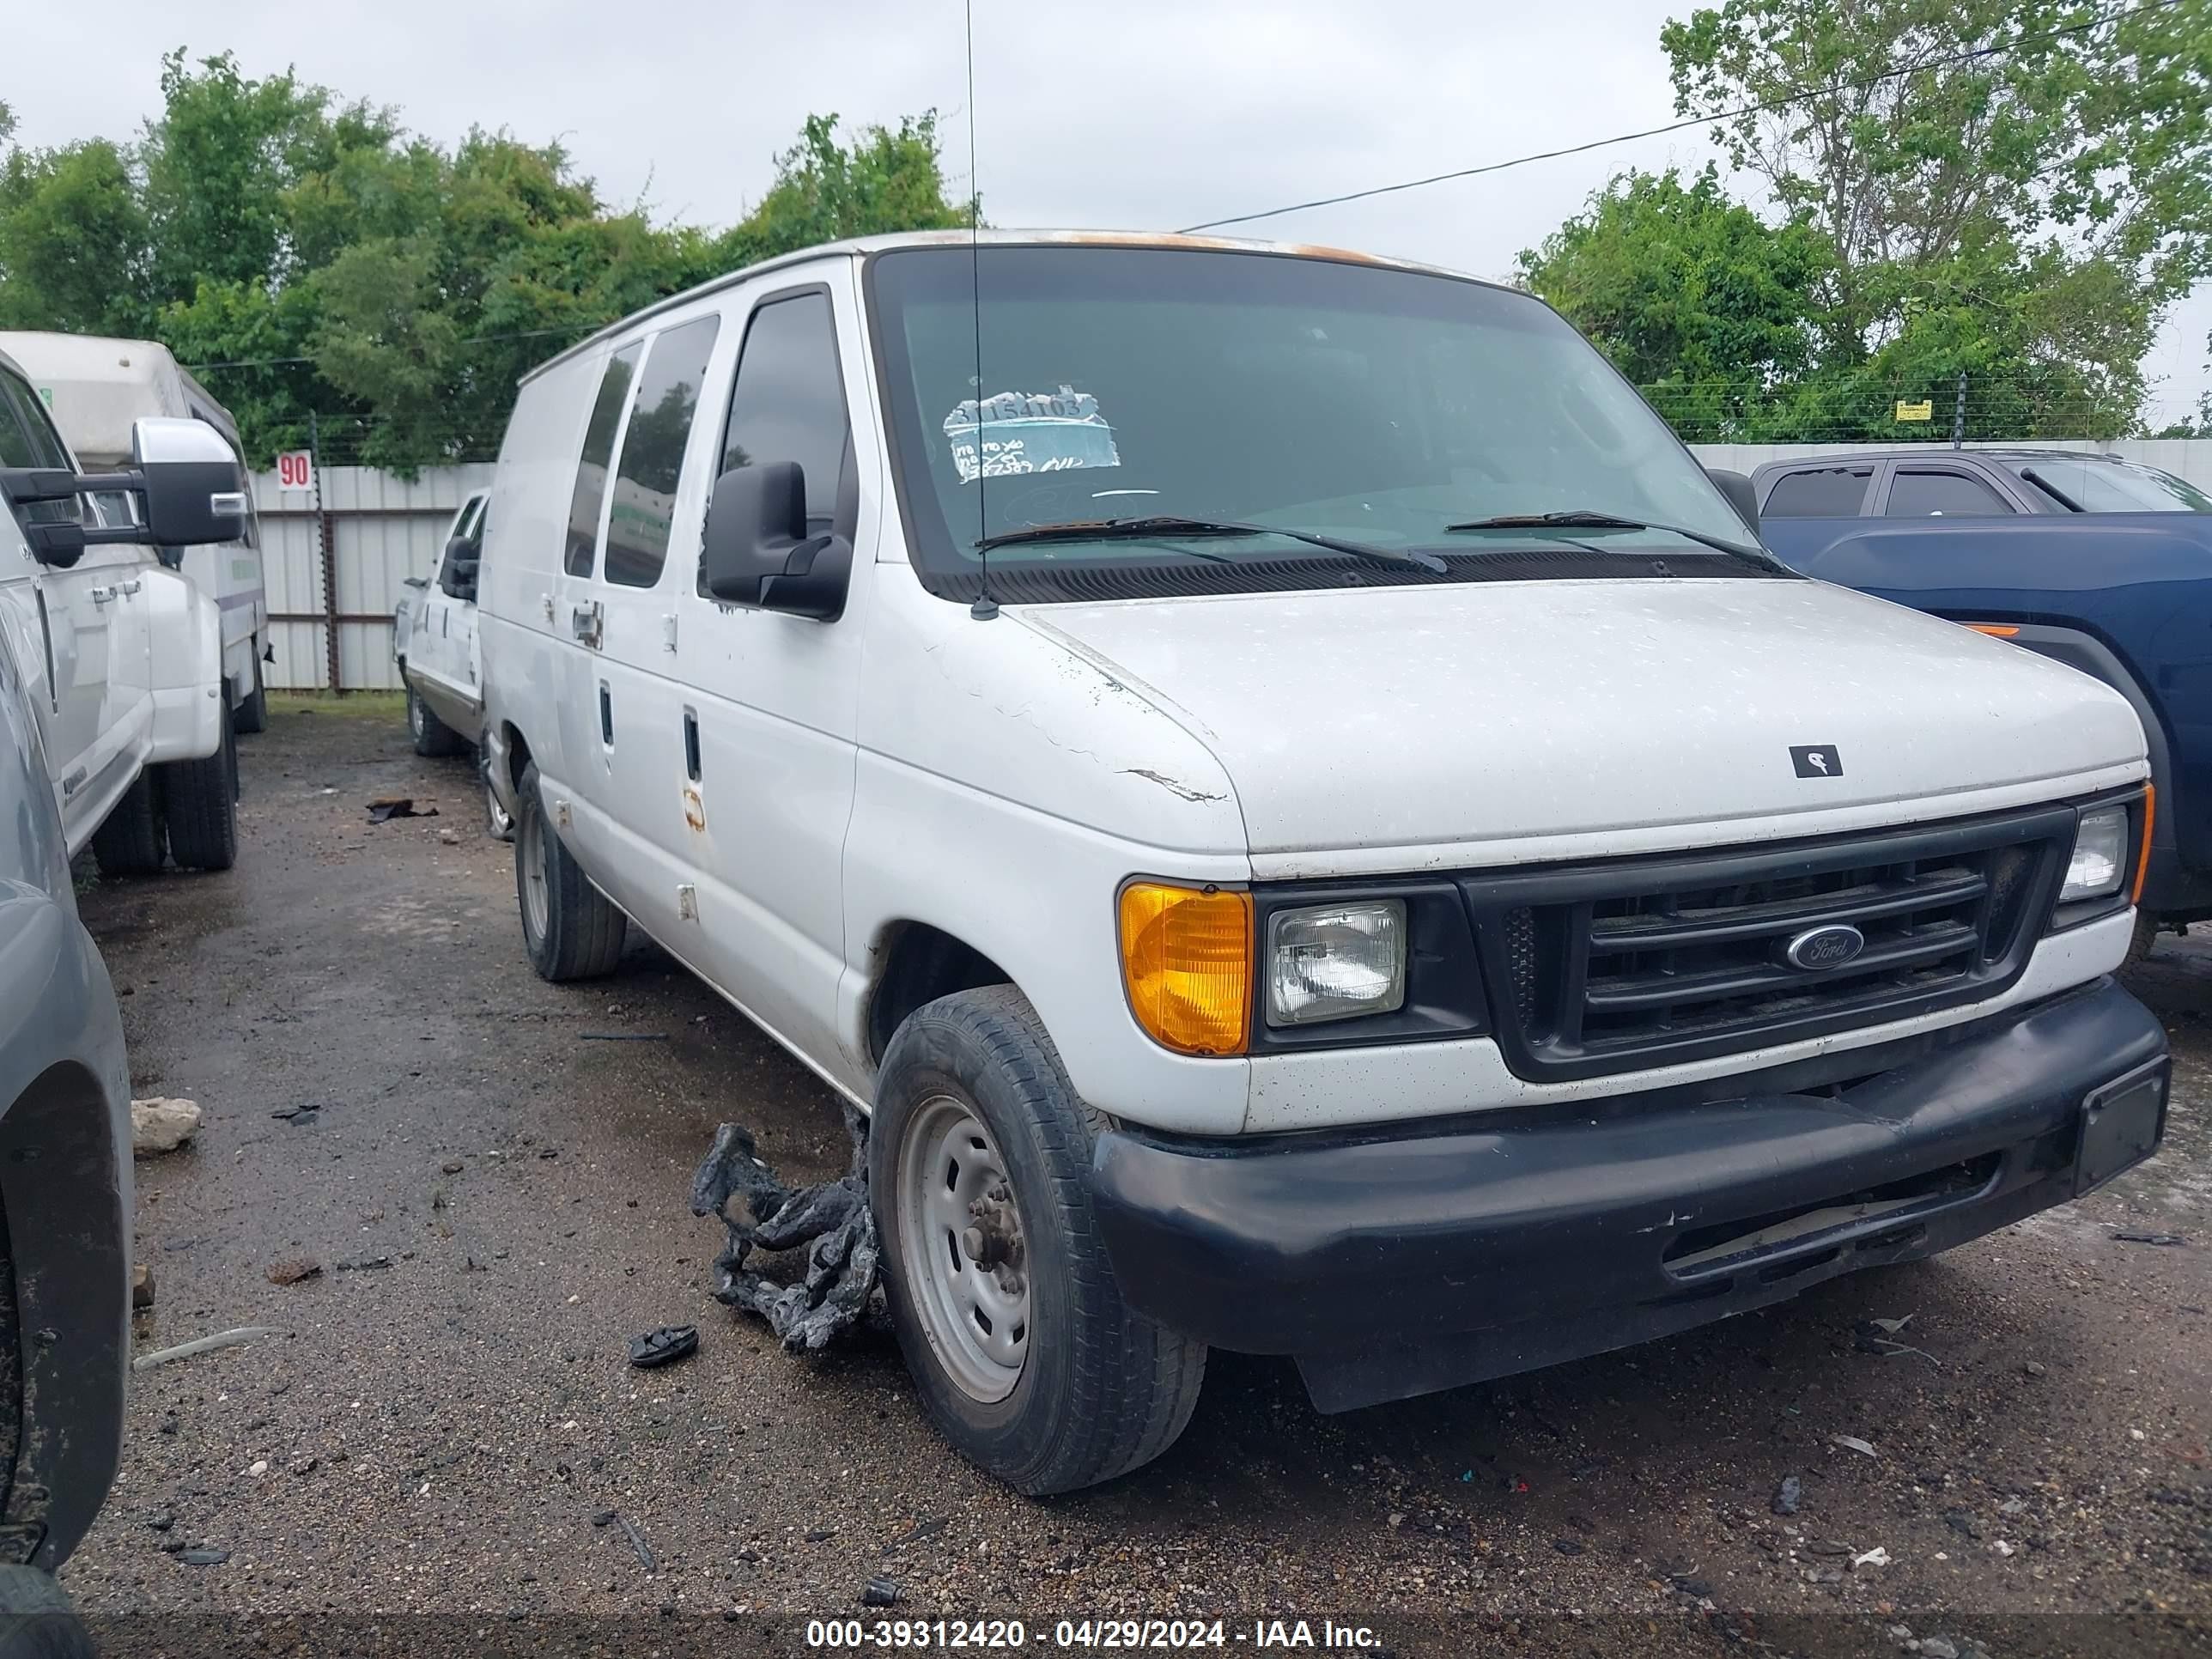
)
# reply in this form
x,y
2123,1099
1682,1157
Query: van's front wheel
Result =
x,y
1006,1308
571,929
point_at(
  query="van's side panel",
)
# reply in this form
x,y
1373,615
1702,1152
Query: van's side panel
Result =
x,y
518,579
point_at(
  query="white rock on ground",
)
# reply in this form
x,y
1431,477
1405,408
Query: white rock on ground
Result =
x,y
162,1125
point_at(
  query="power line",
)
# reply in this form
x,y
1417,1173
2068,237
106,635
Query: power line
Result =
x,y
1801,96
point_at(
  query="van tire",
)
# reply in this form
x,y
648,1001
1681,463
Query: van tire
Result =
x,y
2140,942
433,737
132,842
251,714
1102,1389
36,1619
570,928
199,800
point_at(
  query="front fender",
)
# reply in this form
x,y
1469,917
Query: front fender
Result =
x,y
187,668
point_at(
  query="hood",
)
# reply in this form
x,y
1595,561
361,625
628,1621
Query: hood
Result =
x,y
1488,713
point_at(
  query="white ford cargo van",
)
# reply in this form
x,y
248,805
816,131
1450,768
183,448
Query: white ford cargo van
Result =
x,y
127,654
96,388
1309,821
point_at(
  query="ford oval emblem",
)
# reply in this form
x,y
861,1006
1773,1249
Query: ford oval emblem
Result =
x,y
1820,948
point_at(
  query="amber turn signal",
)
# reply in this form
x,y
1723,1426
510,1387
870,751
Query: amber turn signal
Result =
x,y
2142,853
1186,961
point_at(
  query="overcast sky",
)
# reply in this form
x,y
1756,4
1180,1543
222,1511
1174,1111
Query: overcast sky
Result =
x,y
1143,113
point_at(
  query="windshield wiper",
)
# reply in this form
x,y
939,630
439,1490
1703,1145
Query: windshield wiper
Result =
x,y
1159,526
1584,519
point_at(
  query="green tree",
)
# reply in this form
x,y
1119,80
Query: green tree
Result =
x,y
889,179
1690,294
303,253
73,241
2012,188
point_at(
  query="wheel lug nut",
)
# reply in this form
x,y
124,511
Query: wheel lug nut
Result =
x,y
971,1242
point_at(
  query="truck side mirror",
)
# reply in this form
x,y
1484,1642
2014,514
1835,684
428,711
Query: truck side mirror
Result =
x,y
1742,495
189,479
195,488
757,552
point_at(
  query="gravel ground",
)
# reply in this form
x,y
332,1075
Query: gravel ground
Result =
x,y
497,1200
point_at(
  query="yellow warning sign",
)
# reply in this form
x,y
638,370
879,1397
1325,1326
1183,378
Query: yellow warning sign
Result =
x,y
1924,410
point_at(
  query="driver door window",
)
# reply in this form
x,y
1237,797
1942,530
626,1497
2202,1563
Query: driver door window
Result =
x,y
788,404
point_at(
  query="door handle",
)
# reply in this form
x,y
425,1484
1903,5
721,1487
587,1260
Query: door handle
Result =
x,y
103,595
133,586
585,620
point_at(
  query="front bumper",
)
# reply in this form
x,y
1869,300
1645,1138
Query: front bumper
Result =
x,y
1394,1264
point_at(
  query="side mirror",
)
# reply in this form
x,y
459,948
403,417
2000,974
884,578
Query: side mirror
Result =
x,y
191,484
195,488
757,553
1742,495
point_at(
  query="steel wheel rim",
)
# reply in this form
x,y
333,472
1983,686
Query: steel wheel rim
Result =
x,y
531,855
953,1189
415,714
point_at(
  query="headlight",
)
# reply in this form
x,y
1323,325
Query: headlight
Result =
x,y
1336,961
2100,855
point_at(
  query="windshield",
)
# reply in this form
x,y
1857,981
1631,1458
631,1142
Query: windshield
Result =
x,y
1365,404
2096,483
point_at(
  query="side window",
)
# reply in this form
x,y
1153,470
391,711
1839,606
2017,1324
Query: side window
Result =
x,y
27,439
1941,495
1828,492
591,492
788,403
653,452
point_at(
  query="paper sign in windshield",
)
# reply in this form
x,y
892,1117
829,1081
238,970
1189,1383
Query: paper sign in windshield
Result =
x,y
1029,431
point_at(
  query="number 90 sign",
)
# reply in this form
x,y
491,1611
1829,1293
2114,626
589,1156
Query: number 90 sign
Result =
x,y
296,470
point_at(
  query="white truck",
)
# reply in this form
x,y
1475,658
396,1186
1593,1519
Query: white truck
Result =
x,y
122,653
1307,821
96,388
433,644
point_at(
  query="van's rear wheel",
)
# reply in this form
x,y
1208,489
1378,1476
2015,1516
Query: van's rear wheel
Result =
x,y
132,842
433,737
1022,1348
199,799
251,714
571,929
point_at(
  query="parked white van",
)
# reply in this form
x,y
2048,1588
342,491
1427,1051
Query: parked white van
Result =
x,y
96,388
434,646
124,653
1309,823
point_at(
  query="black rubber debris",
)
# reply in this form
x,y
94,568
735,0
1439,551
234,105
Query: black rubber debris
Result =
x,y
879,1592
2150,1238
664,1347
831,1221
604,1518
398,806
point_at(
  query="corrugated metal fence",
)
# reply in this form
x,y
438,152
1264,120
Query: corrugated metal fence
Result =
x,y
334,576
336,570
